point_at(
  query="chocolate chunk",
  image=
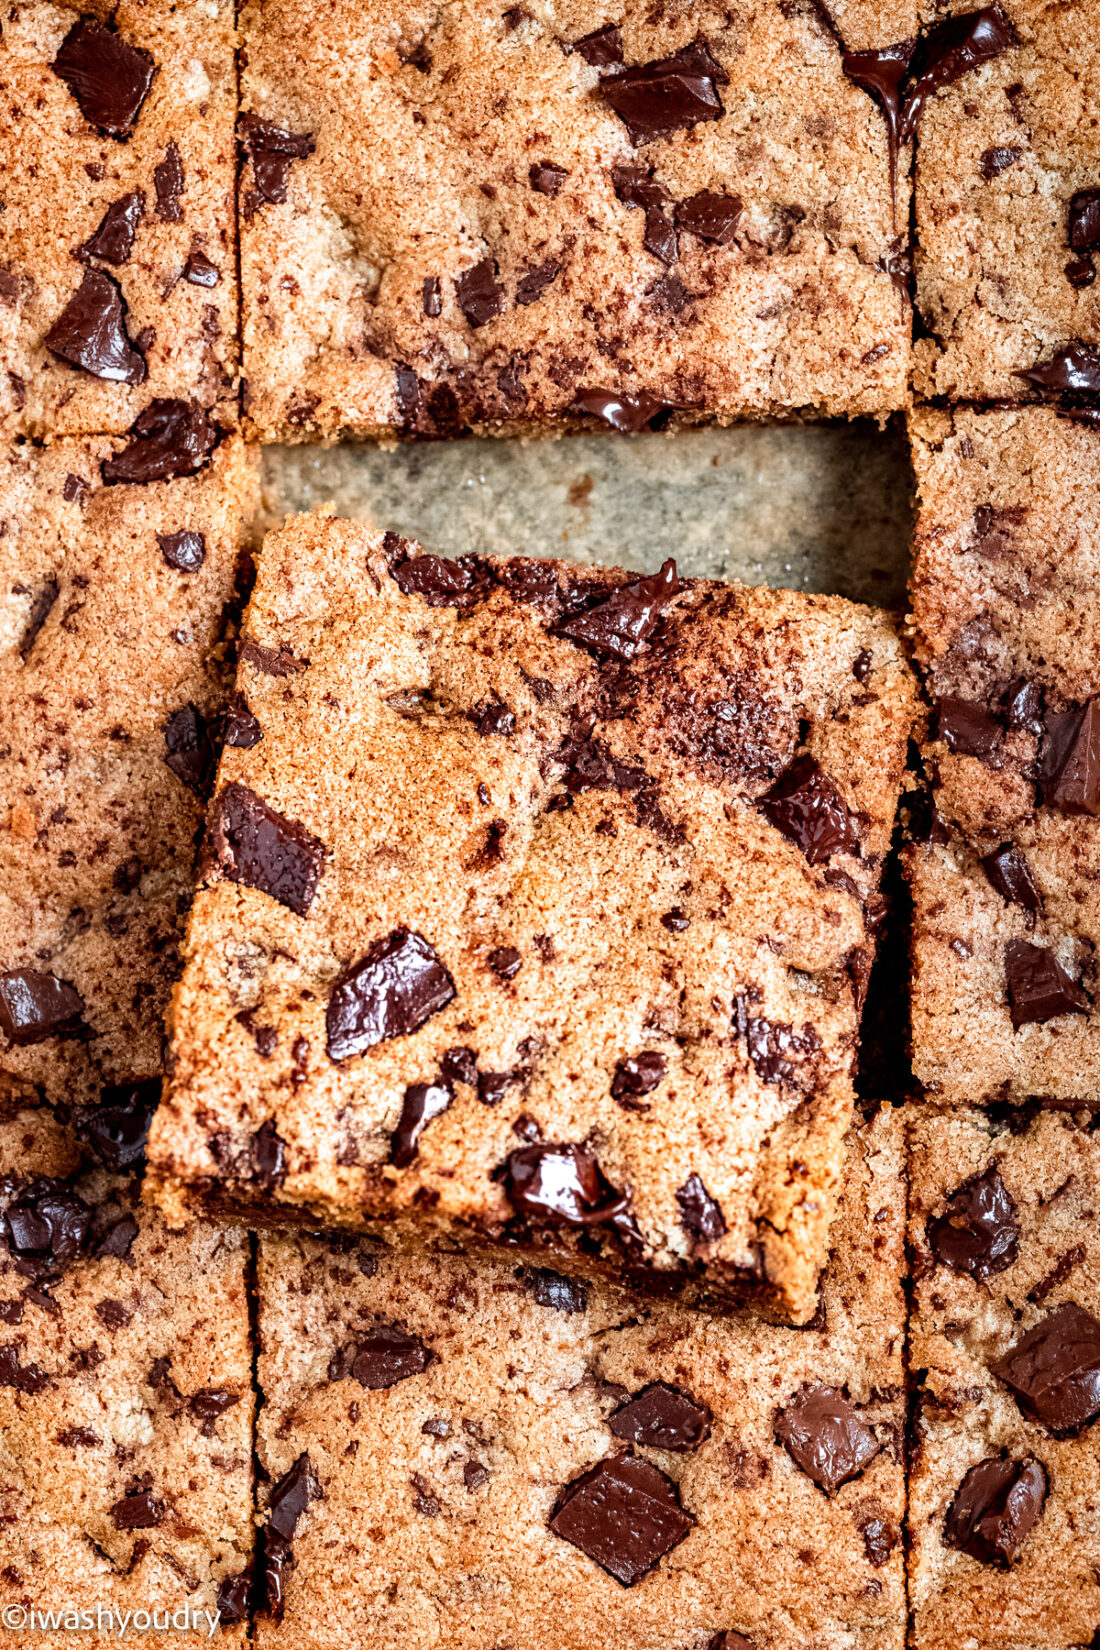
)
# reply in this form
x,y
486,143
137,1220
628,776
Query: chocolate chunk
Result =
x,y
968,728
431,298
624,1515
995,1507
236,725
1024,704
1010,874
979,1233
603,48
776,1050
1080,273
200,271
47,1224
1054,1370
676,921
290,1498
422,1102
34,1006
807,807
390,992
41,608
168,181
277,1560
271,149
140,1510
505,961
493,1085
459,1065
442,582
268,1155
186,552
474,1475
635,186
1084,220
635,1076
118,1128
118,1239
559,1293
546,177
823,1434
232,1599
90,332
1069,771
992,162
622,411
879,1539
480,296
562,1184
662,1417
259,848
620,624
209,1404
700,1215
710,216
266,1038
492,717
532,285
189,752
656,99
1074,370
109,78
1039,989
272,661
881,75
170,438
113,241
948,51
380,1358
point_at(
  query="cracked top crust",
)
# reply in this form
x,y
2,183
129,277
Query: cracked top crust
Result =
x,y
456,216
506,933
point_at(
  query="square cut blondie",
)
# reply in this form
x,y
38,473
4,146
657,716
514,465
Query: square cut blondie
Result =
x,y
1007,185
118,261
126,1400
118,585
525,217
556,1455
1005,1342
1006,881
538,912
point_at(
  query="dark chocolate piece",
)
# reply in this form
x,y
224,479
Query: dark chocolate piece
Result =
x,y
169,184
34,1006
479,293
118,1127
995,1507
200,271
627,413
552,1290
603,48
113,241
170,438
1069,771
271,149
979,1232
624,1515
109,78
807,807
824,1435
422,1102
712,217
621,624
90,333
656,99
1039,989
1053,1370
390,992
968,728
381,1357
637,1075
662,1417
1010,874
561,1183
236,725
188,750
949,50
186,552
700,1215
260,848
546,177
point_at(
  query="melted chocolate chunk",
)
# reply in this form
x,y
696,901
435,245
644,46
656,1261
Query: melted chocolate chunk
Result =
x,y
113,241
422,1102
1010,874
710,216
1073,371
381,1358
26,1378
209,1404
546,177
109,78
268,1152
619,625
623,412
531,286
259,848
948,51
272,661
561,1184
636,187
807,807
237,726
48,1225
277,1560
168,182
290,1498
881,74
979,1233
188,751
492,717
90,332
824,1435
390,992
700,1215
552,1290
41,608
505,961
968,728
637,1075
1053,1370
232,1599
995,1507
271,149
624,1515
479,293
459,1065
1039,989
1069,771
442,582
186,552
1084,220
118,1128
993,162
118,1239
34,1006
170,438
662,1417
656,99
140,1510
777,1051
603,48
200,271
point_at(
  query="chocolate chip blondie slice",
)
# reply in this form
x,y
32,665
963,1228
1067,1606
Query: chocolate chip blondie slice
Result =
x,y
125,1390
1005,1342
516,217
118,265
491,1454
1006,911
538,910
1008,206
118,579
